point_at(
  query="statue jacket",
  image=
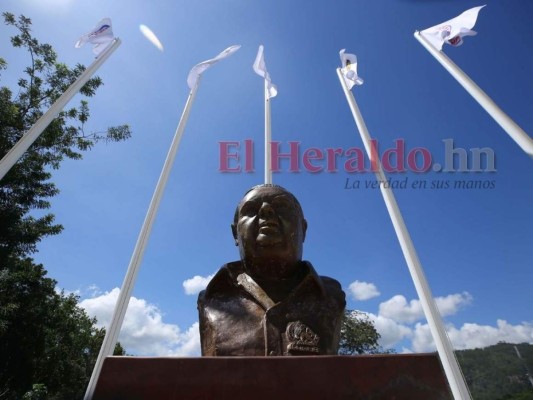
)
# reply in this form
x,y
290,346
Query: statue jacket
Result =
x,y
237,318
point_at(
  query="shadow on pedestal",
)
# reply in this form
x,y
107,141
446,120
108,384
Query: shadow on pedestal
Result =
x,y
394,377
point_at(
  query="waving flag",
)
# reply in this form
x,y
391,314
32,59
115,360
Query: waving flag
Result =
x,y
198,69
453,31
100,36
260,69
349,69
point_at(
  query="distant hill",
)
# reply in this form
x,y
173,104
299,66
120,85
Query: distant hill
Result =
x,y
497,373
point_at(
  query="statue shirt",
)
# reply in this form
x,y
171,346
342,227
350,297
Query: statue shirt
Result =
x,y
237,318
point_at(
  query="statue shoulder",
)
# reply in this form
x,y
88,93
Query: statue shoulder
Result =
x,y
332,287
224,280
330,282
334,290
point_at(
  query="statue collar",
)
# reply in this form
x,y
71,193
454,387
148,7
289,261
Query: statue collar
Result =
x,y
233,275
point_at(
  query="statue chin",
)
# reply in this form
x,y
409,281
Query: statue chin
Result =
x,y
274,270
267,240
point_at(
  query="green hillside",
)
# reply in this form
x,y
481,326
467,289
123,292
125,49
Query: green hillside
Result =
x,y
497,373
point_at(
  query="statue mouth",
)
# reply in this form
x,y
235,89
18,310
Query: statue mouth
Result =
x,y
269,227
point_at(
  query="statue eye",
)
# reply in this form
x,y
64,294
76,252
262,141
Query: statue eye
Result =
x,y
249,209
282,205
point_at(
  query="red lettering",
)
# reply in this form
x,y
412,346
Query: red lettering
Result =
x,y
313,154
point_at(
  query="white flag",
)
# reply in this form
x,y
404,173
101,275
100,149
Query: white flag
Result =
x,y
349,69
100,36
260,69
452,31
198,69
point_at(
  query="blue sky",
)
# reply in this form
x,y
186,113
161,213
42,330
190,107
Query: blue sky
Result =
x,y
475,244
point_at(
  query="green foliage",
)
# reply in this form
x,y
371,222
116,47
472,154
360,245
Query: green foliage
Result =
x,y
527,395
48,344
496,372
45,337
492,373
38,392
358,335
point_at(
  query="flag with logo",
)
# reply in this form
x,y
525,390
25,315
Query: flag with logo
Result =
x,y
349,69
198,69
100,36
261,70
453,31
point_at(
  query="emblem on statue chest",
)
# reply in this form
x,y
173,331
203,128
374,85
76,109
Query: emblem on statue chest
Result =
x,y
301,338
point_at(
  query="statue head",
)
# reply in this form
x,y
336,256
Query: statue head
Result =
x,y
269,228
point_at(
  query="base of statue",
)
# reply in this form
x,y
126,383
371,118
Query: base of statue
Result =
x,y
409,377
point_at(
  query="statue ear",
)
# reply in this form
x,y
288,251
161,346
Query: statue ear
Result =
x,y
234,232
304,229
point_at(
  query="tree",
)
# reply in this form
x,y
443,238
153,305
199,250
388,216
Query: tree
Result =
x,y
48,344
46,340
359,335
26,186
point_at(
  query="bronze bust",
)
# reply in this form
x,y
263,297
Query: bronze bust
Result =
x,y
270,303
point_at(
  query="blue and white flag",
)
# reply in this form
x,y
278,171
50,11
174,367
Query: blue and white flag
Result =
x,y
100,36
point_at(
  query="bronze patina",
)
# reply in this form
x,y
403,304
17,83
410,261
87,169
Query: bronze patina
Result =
x,y
270,303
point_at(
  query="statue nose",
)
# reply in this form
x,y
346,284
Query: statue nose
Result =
x,y
266,211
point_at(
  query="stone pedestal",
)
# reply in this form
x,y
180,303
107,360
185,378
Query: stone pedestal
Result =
x,y
409,377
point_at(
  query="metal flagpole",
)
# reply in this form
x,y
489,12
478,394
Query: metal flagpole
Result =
x,y
121,306
35,131
517,134
444,347
268,137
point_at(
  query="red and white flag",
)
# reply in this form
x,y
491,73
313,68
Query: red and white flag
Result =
x,y
453,31
100,36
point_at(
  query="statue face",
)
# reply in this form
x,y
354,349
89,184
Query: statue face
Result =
x,y
269,227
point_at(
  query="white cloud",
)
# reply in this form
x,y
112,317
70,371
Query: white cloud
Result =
x,y
196,284
94,290
422,339
450,304
143,331
471,336
91,290
363,290
398,309
396,319
391,331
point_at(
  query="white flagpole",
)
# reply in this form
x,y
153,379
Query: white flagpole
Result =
x,y
444,347
268,137
35,131
513,130
121,306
